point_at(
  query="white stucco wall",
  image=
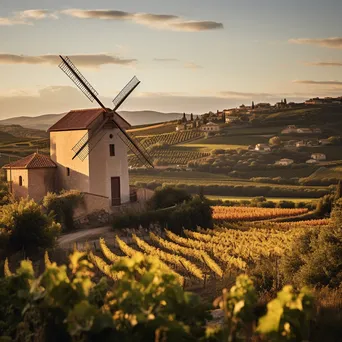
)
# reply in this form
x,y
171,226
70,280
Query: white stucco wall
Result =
x,y
61,144
41,181
102,166
93,174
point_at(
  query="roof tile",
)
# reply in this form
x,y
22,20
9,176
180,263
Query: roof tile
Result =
x,y
33,161
77,119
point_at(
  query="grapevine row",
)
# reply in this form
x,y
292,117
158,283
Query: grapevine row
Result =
x,y
202,256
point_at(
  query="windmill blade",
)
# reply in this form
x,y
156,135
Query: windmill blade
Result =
x,y
68,67
134,146
125,92
128,142
95,139
82,148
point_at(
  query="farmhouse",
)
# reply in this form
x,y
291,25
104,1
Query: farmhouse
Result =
x,y
284,162
289,129
232,119
311,161
262,148
210,127
318,156
325,142
100,171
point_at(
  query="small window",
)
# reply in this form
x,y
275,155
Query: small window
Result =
x,y
20,181
68,171
112,150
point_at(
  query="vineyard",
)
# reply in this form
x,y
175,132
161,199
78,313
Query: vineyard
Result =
x,y
168,138
170,157
234,214
207,255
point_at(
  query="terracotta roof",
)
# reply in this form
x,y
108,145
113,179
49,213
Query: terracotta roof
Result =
x,y
82,119
33,161
77,119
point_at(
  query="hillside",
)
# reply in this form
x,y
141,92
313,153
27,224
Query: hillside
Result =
x,y
135,118
327,117
15,131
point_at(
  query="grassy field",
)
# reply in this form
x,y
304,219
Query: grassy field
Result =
x,y
240,140
273,199
324,172
203,178
167,127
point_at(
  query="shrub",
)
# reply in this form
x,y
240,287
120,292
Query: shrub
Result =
x,y
191,214
315,257
325,204
26,227
168,196
286,204
63,206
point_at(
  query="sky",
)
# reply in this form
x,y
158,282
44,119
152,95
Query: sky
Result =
x,y
190,55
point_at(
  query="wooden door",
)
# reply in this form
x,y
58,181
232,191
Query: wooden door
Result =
x,y
115,191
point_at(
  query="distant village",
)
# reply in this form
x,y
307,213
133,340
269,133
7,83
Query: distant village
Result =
x,y
214,123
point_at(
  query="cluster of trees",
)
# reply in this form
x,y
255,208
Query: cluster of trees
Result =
x,y
262,202
243,190
29,227
170,207
315,259
227,160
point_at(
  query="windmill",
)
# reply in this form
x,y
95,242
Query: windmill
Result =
x,y
93,136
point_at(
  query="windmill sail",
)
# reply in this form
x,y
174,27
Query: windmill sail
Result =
x,y
68,67
82,148
125,92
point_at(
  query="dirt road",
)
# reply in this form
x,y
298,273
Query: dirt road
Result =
x,y
93,233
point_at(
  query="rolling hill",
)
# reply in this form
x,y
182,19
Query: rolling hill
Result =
x,y
135,118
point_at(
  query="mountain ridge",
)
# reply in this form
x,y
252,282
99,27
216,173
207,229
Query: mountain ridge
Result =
x,y
135,118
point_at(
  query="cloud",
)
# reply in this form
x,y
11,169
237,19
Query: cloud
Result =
x,y
166,60
160,21
26,17
235,94
12,21
324,64
333,43
329,83
86,60
192,65
37,14
197,25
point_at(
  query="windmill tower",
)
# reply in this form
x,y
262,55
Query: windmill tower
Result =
x,y
90,146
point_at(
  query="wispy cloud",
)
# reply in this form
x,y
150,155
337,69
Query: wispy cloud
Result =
x,y
166,60
325,83
26,17
37,14
159,21
86,60
243,95
333,42
192,65
324,64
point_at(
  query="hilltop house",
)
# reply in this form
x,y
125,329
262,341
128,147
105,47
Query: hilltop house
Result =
x,y
232,119
318,156
262,148
289,129
284,162
210,127
102,175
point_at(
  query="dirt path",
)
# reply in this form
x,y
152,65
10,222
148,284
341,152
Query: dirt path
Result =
x,y
93,233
